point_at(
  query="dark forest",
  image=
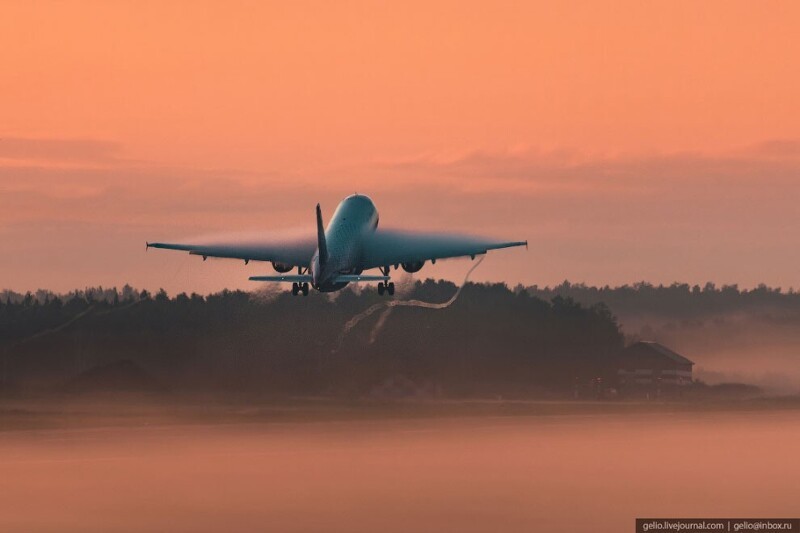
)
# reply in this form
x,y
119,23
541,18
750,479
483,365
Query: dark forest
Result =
x,y
490,341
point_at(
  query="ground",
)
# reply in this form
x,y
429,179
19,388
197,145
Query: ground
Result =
x,y
448,467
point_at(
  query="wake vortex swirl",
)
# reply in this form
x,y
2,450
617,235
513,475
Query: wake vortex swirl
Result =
x,y
391,304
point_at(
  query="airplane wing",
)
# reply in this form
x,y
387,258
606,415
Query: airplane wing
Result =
x,y
391,247
289,251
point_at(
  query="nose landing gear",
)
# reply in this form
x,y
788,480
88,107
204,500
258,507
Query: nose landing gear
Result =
x,y
297,288
386,287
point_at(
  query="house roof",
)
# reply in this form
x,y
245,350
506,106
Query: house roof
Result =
x,y
659,349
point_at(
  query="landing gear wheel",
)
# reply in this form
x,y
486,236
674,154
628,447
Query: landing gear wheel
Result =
x,y
295,289
384,287
305,289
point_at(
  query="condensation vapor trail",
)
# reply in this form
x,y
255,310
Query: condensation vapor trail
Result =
x,y
391,304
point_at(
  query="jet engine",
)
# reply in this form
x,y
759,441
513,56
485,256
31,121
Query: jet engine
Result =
x,y
415,266
280,267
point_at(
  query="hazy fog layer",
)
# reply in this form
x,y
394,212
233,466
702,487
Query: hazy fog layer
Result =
x,y
731,333
559,473
746,349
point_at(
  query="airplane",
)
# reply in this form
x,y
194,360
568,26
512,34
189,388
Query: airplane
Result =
x,y
339,254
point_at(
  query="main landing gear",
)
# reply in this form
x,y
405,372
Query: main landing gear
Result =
x,y
298,288
386,287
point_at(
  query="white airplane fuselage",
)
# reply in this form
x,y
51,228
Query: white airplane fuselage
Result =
x,y
354,219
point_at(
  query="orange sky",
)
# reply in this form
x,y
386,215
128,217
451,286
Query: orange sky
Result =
x,y
625,140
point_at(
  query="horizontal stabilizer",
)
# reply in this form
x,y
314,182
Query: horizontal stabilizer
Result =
x,y
295,278
351,278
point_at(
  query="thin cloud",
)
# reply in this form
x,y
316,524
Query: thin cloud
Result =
x,y
597,218
58,150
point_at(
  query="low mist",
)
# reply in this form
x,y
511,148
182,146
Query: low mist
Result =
x,y
732,334
555,472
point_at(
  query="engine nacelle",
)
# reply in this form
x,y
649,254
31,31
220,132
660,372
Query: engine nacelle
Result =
x,y
280,267
416,266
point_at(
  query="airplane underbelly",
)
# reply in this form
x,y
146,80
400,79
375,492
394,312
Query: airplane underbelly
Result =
x,y
333,287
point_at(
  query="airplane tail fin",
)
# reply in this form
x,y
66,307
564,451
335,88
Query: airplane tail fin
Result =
x,y
323,246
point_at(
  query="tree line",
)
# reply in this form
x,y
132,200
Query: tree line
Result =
x,y
677,300
492,340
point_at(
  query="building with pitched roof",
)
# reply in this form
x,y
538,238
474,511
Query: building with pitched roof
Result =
x,y
652,367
